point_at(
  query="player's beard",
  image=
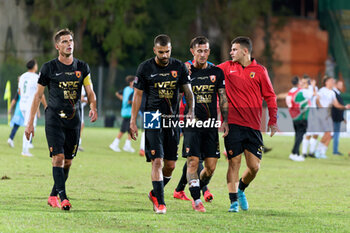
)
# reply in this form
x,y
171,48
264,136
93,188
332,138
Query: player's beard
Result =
x,y
163,61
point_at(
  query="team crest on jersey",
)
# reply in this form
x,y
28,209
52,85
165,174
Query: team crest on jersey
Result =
x,y
212,78
252,74
174,73
78,74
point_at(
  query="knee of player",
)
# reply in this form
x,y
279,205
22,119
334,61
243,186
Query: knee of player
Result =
x,y
192,162
210,170
170,166
67,163
234,163
254,168
58,161
157,163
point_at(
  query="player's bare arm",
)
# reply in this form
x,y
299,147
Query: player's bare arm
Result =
x,y
340,106
189,99
136,104
223,103
92,101
43,101
35,105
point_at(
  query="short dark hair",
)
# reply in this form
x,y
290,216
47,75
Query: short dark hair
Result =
x,y
62,32
243,41
30,64
295,80
162,40
130,78
198,40
325,79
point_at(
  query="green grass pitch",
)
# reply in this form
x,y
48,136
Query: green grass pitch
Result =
x,y
108,191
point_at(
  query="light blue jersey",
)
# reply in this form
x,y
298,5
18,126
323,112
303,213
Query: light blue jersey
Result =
x,y
126,107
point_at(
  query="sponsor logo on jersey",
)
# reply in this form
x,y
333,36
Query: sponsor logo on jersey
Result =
x,y
174,73
252,74
78,74
212,78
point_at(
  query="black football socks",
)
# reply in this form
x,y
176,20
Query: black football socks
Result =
x,y
59,178
166,180
158,190
233,197
242,186
54,191
183,181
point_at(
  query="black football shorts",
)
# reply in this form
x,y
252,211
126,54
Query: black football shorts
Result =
x,y
242,138
61,139
161,143
202,143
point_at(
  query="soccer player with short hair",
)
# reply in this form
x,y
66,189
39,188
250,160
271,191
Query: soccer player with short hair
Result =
x,y
247,84
161,78
64,77
27,87
207,83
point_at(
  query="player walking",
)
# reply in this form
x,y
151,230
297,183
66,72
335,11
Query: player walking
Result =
x,y
161,79
207,83
247,84
64,77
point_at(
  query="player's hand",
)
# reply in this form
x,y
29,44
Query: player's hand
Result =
x,y
347,106
190,115
273,129
29,131
133,131
93,115
225,129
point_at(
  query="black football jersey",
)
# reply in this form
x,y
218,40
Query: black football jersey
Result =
x,y
205,84
161,85
64,83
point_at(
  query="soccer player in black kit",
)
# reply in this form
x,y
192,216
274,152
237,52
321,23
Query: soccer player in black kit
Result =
x,y
207,83
64,77
161,78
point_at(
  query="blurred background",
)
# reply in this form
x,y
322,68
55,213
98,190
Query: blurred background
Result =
x,y
291,37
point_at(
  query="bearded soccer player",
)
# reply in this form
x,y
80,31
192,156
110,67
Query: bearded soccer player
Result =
x,y
64,77
247,84
207,83
161,78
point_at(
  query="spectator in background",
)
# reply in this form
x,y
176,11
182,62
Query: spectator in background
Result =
x,y
126,98
325,100
298,101
337,116
312,131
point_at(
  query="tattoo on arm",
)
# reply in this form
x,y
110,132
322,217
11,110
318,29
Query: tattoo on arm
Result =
x,y
223,103
188,95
